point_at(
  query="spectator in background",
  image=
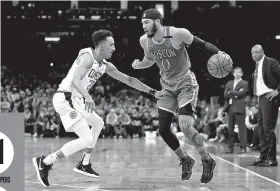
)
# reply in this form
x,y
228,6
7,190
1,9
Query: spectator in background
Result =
x,y
124,123
52,124
15,95
147,121
111,122
136,124
41,123
99,101
251,122
235,94
45,99
6,106
35,103
9,93
99,88
17,107
211,128
29,120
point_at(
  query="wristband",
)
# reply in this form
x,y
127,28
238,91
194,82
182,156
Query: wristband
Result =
x,y
152,92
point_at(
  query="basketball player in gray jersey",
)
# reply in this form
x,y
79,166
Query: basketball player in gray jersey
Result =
x,y
165,46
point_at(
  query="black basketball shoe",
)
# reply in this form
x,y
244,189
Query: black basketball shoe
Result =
x,y
42,170
85,170
208,169
187,164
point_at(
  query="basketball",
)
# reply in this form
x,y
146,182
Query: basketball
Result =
x,y
219,65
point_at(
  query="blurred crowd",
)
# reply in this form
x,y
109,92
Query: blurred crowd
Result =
x,y
125,111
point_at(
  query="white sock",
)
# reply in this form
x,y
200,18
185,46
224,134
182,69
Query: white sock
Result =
x,y
86,158
52,158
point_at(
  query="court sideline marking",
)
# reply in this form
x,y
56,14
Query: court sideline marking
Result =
x,y
238,166
69,186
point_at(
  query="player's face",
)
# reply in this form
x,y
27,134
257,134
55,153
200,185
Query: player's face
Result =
x,y
237,73
109,47
257,54
149,27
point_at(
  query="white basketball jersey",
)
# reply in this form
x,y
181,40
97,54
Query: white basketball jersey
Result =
x,y
92,75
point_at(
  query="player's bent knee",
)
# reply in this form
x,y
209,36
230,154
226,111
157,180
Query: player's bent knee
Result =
x,y
99,124
88,140
95,121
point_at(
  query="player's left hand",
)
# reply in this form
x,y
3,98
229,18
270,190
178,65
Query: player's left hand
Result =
x,y
272,94
159,94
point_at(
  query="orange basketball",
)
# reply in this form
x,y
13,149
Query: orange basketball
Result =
x,y
219,65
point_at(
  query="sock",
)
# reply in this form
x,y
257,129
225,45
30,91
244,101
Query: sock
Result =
x,y
180,153
86,158
51,159
204,155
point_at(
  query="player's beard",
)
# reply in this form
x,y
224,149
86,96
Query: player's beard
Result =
x,y
154,30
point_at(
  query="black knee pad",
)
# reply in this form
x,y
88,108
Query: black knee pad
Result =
x,y
165,119
186,110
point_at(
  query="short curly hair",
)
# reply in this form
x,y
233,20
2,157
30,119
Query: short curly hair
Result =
x,y
100,35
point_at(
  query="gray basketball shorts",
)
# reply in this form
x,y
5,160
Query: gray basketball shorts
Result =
x,y
179,93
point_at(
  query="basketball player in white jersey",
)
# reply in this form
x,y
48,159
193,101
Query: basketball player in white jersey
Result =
x,y
76,107
165,46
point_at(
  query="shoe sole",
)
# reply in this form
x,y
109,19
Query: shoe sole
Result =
x,y
38,172
188,177
205,182
85,173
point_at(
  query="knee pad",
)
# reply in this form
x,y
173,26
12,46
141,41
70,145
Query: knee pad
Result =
x,y
165,119
186,110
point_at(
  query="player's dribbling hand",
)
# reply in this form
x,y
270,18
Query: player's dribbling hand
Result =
x,y
89,105
228,57
136,63
159,94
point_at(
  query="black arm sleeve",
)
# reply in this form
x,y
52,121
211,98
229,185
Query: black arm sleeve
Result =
x,y
197,42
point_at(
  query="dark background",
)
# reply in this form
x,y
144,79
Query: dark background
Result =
x,y
233,29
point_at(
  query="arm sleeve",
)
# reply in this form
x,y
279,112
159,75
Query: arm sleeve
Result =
x,y
197,42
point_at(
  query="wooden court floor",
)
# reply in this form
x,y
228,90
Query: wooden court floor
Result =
x,y
146,165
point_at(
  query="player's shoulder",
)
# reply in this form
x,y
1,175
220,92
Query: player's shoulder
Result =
x,y
178,31
86,52
86,56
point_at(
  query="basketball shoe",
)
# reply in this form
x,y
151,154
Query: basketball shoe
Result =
x,y
42,170
187,164
85,170
208,169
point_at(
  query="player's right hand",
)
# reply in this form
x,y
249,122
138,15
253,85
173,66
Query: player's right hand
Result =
x,y
136,63
89,105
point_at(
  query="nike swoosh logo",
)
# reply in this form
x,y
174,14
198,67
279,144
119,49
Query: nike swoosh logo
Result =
x,y
40,168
